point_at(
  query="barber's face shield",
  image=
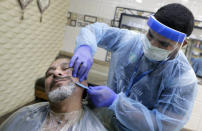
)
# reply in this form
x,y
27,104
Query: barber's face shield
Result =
x,y
163,36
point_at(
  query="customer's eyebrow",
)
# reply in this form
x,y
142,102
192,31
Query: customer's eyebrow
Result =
x,y
53,68
50,68
64,64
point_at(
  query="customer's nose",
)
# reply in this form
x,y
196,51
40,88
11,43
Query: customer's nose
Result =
x,y
58,72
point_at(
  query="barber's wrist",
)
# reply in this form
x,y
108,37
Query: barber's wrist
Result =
x,y
113,105
87,47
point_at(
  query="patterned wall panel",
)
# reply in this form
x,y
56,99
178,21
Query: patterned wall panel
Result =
x,y
81,20
27,48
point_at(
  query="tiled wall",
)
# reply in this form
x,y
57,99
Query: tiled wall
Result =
x,y
106,8
27,48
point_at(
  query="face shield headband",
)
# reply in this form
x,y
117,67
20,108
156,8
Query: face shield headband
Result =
x,y
165,31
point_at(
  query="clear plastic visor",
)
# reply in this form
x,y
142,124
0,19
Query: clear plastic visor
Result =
x,y
160,41
162,36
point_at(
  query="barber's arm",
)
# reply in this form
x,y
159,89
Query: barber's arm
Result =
x,y
91,36
102,35
171,112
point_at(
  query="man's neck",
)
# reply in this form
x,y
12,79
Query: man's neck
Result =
x,y
70,104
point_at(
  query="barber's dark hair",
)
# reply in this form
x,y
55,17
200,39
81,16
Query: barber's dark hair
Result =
x,y
176,16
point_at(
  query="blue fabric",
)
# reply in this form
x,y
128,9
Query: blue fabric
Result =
x,y
162,100
197,66
165,31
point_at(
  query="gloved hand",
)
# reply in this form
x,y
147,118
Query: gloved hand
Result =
x,y
82,62
101,96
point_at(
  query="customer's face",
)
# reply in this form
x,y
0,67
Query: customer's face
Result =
x,y
59,83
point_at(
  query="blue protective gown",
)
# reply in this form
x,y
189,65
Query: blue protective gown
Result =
x,y
197,66
161,100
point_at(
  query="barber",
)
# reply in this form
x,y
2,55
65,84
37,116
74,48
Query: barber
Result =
x,y
151,85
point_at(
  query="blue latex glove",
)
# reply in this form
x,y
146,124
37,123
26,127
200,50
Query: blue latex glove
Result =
x,y
101,96
81,62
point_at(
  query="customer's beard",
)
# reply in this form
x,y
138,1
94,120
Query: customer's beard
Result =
x,y
61,93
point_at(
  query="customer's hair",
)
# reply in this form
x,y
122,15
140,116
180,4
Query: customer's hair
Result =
x,y
60,56
176,16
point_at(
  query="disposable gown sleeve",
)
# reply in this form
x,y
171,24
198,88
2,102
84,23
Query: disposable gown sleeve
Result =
x,y
197,66
101,35
171,112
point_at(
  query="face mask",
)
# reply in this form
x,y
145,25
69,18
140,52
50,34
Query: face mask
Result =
x,y
152,52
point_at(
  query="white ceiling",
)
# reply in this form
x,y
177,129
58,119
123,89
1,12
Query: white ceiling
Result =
x,y
153,5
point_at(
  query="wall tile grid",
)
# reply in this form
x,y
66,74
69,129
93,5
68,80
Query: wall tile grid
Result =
x,y
27,48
